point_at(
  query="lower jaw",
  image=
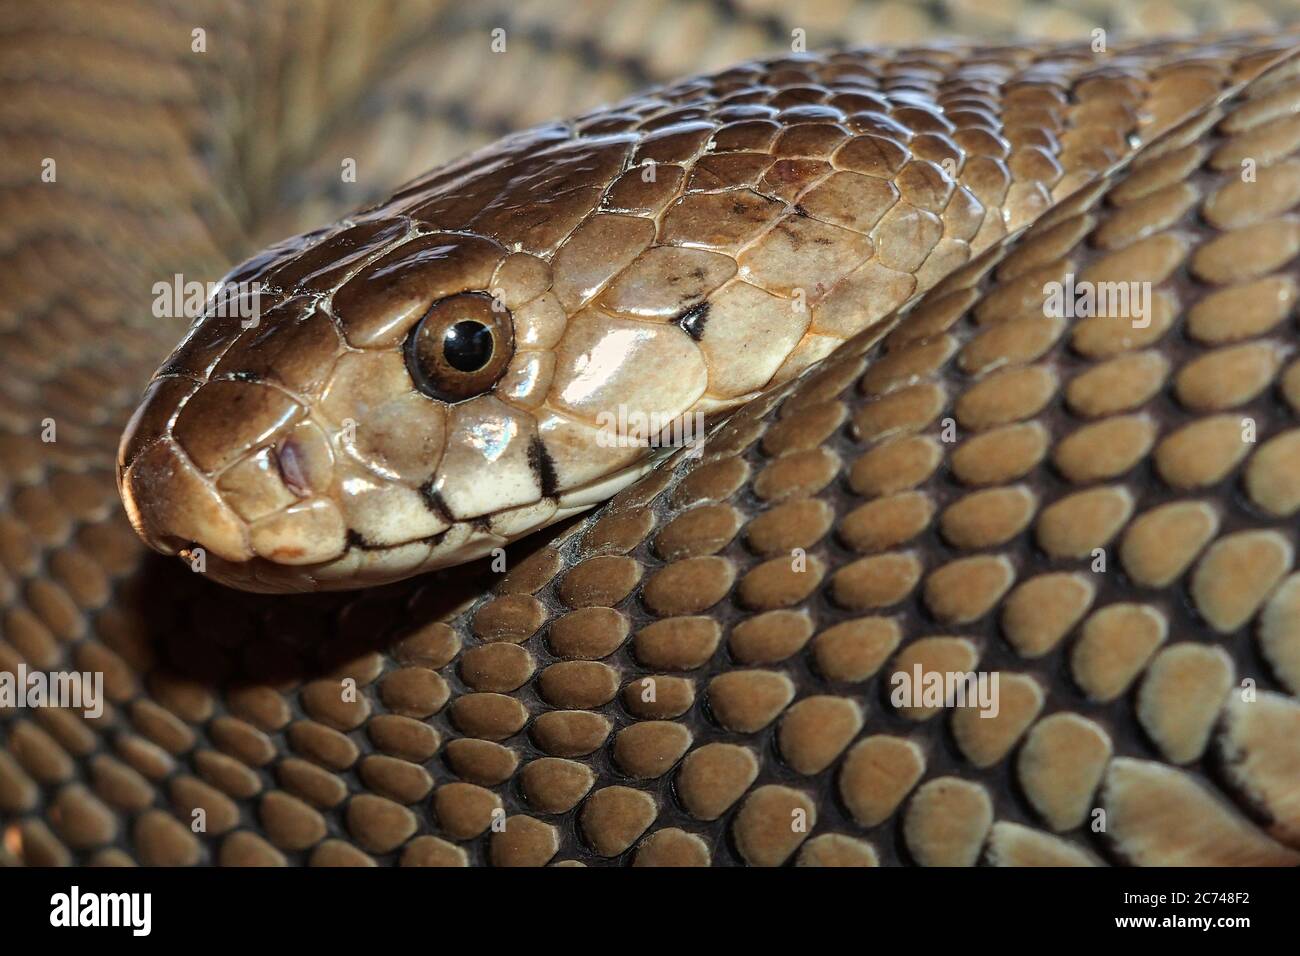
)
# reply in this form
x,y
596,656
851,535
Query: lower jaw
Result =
x,y
361,566
358,566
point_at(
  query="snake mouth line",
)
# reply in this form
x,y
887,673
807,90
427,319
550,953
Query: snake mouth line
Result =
x,y
465,540
356,540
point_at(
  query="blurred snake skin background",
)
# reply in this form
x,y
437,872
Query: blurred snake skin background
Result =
x,y
176,161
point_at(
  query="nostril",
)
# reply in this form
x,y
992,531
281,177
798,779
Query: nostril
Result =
x,y
289,458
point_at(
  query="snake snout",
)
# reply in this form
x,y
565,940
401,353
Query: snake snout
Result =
x,y
173,508
232,469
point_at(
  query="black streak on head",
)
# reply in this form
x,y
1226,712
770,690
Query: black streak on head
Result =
x,y
433,501
694,319
539,459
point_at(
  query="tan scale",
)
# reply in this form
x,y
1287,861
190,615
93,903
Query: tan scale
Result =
x,y
671,728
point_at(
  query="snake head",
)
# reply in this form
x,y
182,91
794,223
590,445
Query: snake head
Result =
x,y
500,344
380,400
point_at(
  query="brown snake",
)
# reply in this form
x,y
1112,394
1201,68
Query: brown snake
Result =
x,y
931,469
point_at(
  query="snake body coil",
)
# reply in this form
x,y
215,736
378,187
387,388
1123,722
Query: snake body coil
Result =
x,y
936,454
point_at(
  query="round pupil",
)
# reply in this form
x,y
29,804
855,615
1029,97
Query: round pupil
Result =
x,y
467,346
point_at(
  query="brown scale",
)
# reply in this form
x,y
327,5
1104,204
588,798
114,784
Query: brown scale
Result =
x,y
985,563
222,701
849,192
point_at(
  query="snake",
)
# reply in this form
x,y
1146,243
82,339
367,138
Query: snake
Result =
x,y
610,480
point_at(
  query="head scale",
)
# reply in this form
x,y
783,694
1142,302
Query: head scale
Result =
x,y
502,343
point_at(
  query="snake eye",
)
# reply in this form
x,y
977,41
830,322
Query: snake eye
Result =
x,y
467,346
460,348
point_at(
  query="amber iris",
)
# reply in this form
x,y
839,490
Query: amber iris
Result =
x,y
460,348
